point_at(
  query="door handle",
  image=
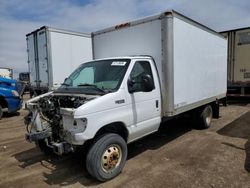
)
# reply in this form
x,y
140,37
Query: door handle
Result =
x,y
156,103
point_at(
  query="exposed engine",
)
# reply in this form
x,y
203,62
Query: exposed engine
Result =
x,y
49,109
46,111
49,106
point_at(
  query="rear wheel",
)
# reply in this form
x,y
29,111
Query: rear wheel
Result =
x,y
206,116
106,157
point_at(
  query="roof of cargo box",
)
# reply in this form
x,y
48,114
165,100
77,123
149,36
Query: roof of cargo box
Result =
x,y
155,17
59,31
234,30
126,57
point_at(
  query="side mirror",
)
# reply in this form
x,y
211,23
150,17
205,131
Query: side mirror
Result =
x,y
148,83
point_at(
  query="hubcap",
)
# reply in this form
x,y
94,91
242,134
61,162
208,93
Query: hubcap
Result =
x,y
111,158
208,115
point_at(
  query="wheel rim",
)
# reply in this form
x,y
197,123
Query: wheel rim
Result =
x,y
208,116
111,158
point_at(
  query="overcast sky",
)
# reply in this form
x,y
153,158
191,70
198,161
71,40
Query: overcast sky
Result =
x,y
19,17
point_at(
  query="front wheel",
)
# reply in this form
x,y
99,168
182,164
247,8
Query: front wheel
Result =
x,y
106,157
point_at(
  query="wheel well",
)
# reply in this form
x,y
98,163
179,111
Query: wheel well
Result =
x,y
116,127
3,102
216,109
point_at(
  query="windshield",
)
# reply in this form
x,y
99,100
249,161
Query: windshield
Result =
x,y
97,77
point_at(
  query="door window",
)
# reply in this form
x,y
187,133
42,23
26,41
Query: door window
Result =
x,y
140,69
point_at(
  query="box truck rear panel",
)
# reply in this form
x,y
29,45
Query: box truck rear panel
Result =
x,y
53,54
199,64
242,56
43,58
238,62
31,59
191,59
67,53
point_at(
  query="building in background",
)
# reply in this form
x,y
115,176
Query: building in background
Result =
x,y
6,72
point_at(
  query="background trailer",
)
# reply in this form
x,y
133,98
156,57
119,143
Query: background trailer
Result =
x,y
238,61
53,54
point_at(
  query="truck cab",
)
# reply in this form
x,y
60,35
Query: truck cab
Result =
x,y
24,78
117,97
9,96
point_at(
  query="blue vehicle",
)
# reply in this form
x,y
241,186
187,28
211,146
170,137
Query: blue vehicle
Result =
x,y
10,92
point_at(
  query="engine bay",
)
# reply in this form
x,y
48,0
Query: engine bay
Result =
x,y
46,118
50,105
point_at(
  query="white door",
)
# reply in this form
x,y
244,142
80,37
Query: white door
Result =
x,y
145,105
42,58
31,59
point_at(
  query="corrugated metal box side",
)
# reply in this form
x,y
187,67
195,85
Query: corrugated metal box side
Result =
x,y
30,39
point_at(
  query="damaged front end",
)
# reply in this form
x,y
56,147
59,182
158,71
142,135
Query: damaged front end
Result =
x,y
51,124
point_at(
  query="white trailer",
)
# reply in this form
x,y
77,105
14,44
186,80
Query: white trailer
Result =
x,y
238,62
146,72
53,54
6,72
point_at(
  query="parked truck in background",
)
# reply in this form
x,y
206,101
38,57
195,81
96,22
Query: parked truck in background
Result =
x,y
53,54
238,62
24,77
6,72
10,92
145,72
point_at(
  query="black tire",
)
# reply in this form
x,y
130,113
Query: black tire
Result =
x,y
206,116
41,144
106,157
31,94
1,111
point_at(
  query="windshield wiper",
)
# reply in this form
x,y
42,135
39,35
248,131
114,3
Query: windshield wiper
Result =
x,y
65,84
93,86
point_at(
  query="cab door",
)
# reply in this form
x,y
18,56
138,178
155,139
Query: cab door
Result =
x,y
145,105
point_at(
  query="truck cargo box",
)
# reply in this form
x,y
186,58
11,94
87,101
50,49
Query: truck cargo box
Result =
x,y
53,54
191,59
145,72
238,61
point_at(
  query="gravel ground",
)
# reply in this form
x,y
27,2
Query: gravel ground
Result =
x,y
176,156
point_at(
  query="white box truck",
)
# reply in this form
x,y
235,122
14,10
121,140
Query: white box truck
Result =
x,y
145,73
238,62
53,54
6,72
